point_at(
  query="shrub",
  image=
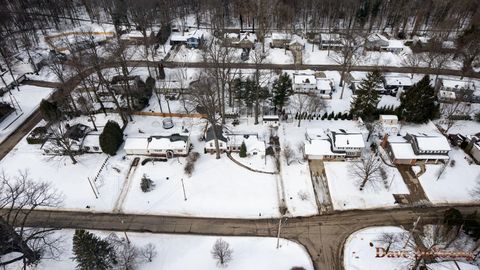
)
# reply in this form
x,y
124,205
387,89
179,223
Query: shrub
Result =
x,y
477,117
324,116
111,138
243,150
189,168
146,184
193,156
331,115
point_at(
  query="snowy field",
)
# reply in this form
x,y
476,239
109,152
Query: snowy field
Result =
x,y
344,188
217,188
189,252
455,183
29,98
360,253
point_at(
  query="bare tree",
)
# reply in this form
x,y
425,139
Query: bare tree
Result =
x,y
288,153
204,95
452,111
127,253
148,252
60,143
222,252
19,197
347,56
258,57
306,103
367,169
389,239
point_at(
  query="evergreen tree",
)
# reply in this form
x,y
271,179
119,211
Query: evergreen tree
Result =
x,y
111,138
418,104
243,150
282,89
50,110
91,252
365,103
331,115
324,116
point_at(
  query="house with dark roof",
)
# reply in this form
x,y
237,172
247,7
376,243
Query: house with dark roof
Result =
x,y
210,140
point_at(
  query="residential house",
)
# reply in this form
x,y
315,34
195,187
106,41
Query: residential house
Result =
x,y
376,42
243,40
158,145
333,144
325,87
190,39
394,83
417,148
210,140
475,150
91,143
253,145
456,90
389,124
271,120
280,40
331,41
296,47
304,83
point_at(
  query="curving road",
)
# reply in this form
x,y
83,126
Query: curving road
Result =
x,y
323,236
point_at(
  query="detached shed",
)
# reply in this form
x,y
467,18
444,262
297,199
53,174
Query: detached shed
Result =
x,y
136,146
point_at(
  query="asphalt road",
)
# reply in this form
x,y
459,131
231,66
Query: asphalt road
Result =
x,y
323,236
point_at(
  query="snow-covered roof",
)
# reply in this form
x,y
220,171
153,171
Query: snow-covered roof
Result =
x,y
404,150
395,44
398,80
321,148
270,118
316,134
376,37
297,39
388,117
447,94
168,143
91,139
279,36
135,143
177,36
168,85
342,140
330,37
248,37
432,143
251,142
304,79
457,84
324,84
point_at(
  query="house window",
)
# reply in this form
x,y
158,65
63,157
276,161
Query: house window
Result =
x,y
87,148
180,151
211,144
95,148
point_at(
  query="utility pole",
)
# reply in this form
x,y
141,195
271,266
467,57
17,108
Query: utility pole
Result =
x,y
279,229
184,194
411,231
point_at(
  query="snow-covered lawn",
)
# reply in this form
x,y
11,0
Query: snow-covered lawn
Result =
x,y
345,193
189,252
184,54
361,249
455,184
28,98
278,56
217,188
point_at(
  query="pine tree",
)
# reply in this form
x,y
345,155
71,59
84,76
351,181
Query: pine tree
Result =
x,y
330,116
418,104
111,138
365,103
324,116
91,252
282,89
243,150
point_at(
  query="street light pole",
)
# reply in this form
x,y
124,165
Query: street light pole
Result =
x,y
183,187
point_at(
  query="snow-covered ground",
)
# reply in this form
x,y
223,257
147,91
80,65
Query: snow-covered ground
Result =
x,y
28,98
190,252
360,252
455,183
345,193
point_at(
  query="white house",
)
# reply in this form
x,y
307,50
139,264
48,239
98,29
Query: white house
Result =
x,y
333,144
331,41
210,140
253,144
449,90
325,87
271,120
136,146
304,83
414,148
395,83
167,146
